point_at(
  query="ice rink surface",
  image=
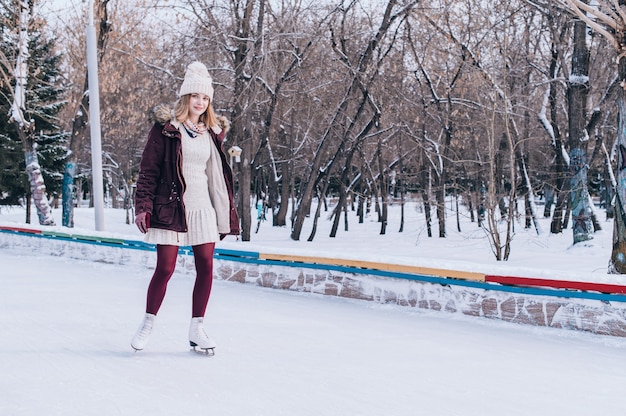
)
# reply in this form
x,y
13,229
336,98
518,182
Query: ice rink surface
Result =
x,y
67,324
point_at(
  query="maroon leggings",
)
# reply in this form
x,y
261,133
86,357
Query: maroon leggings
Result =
x,y
166,263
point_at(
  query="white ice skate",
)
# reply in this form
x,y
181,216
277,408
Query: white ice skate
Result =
x,y
198,339
140,340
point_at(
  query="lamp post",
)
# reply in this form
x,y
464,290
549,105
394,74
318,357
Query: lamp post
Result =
x,y
94,121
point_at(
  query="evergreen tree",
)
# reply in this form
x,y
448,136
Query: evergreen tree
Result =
x,y
46,97
13,181
44,100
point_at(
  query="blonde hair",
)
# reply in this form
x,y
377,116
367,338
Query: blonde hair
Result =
x,y
181,112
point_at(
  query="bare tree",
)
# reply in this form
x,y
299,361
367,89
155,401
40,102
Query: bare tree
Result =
x,y
362,71
286,47
579,135
608,18
323,96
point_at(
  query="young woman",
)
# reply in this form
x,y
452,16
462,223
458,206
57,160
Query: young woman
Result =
x,y
184,197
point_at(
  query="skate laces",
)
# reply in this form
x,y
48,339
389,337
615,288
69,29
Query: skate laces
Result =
x,y
200,333
197,333
145,330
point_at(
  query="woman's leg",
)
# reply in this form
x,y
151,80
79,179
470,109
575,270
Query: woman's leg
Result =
x,y
203,257
166,263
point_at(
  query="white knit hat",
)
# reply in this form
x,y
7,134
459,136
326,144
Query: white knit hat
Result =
x,y
197,80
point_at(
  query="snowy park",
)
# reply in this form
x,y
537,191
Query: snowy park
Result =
x,y
447,182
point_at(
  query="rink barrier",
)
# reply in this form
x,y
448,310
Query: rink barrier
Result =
x,y
557,284
597,308
369,265
510,284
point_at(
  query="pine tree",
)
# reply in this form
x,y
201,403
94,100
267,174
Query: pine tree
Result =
x,y
45,96
13,183
43,101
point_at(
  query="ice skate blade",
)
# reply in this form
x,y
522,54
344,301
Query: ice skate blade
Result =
x,y
210,352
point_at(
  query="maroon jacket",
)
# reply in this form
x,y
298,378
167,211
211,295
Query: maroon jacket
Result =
x,y
160,185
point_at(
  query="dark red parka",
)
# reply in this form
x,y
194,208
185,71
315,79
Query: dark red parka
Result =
x,y
160,185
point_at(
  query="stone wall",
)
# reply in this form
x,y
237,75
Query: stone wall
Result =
x,y
573,314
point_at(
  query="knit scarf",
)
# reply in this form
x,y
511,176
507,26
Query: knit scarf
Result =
x,y
194,129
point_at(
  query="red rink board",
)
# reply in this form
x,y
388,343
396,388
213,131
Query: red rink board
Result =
x,y
20,229
556,284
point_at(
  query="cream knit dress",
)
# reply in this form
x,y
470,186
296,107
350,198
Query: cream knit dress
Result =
x,y
199,211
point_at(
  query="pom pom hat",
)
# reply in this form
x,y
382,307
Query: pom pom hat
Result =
x,y
197,80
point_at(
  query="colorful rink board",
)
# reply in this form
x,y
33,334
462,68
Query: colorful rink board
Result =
x,y
532,286
369,265
557,284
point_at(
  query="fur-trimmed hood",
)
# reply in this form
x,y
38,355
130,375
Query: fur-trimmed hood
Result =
x,y
164,113
161,114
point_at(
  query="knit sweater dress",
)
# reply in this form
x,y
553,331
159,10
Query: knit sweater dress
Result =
x,y
199,211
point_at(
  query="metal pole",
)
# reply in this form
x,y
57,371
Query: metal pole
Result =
x,y
94,121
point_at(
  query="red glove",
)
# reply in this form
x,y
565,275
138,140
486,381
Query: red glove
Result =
x,y
143,221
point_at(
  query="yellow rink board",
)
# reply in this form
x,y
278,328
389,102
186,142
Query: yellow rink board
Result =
x,y
400,268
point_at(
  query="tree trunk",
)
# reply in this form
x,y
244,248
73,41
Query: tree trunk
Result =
x,y
322,197
618,253
384,192
244,188
558,184
482,204
25,128
401,186
37,186
67,192
343,193
317,214
609,185
548,195
529,195
79,127
401,229
440,199
28,204
578,136
279,215
338,208
470,205
556,226
426,200
456,207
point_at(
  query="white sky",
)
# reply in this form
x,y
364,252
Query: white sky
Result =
x,y
62,10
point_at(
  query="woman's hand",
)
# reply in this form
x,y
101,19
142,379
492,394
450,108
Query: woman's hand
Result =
x,y
143,221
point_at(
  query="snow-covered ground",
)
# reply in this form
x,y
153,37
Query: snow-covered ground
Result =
x,y
533,255
66,327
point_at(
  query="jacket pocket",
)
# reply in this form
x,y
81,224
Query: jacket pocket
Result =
x,y
164,210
